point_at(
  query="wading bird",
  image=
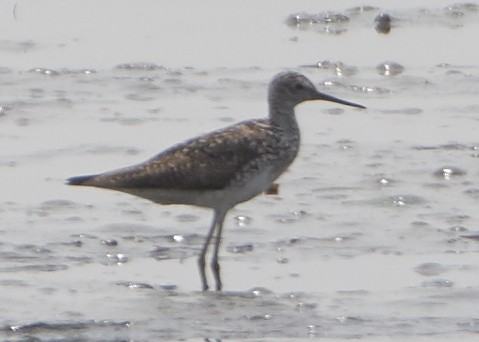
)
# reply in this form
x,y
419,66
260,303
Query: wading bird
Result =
x,y
223,168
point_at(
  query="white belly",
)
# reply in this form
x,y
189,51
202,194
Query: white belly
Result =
x,y
238,192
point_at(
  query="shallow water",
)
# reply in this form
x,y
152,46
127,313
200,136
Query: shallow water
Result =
x,y
373,234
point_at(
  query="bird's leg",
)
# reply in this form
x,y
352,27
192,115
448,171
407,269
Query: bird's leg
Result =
x,y
215,265
201,258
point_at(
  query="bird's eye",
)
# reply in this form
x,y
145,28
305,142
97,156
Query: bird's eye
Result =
x,y
298,86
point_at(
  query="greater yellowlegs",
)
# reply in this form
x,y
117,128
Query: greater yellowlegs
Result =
x,y
223,168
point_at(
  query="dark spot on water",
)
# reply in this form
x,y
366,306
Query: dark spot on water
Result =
x,y
457,219
168,287
474,193
448,172
14,256
306,306
66,71
39,268
334,111
243,221
340,238
420,224
240,249
139,67
394,201
137,97
34,248
9,163
437,283
445,147
456,72
383,23
338,67
345,144
344,70
44,71
331,17
458,229
40,326
116,258
37,93
327,64
81,259
362,9
299,20
110,242
128,209
443,65
460,10
430,269
3,110
300,213
262,317
14,283
389,69
408,111
348,320
85,236
5,70
104,149
370,90
58,204
328,22
48,290
156,110
178,238
135,285
87,71
187,218
385,181
284,219
173,81
293,241
160,253
226,119
22,122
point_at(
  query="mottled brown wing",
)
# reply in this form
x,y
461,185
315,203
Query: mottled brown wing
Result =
x,y
206,163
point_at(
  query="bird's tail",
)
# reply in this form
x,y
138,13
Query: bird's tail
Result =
x,y
79,180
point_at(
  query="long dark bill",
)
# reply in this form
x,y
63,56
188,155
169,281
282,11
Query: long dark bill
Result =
x,y
330,98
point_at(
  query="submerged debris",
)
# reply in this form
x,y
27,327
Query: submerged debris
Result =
x,y
383,23
389,69
449,171
430,269
326,22
139,66
44,71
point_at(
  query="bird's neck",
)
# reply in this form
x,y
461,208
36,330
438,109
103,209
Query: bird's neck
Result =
x,y
282,116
